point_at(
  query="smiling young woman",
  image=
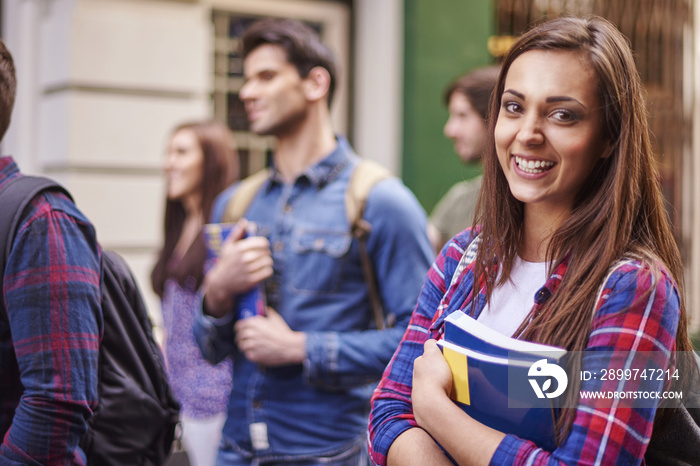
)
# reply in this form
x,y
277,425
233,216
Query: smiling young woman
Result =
x,y
200,162
571,192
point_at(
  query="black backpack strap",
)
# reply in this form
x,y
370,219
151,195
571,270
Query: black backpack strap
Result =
x,y
15,195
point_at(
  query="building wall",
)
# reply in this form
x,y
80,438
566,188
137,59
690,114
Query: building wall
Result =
x,y
102,82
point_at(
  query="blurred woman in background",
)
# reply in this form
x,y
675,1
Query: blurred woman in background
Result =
x,y
201,161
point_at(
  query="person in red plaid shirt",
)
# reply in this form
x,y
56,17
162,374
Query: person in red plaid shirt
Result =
x,y
574,249
50,321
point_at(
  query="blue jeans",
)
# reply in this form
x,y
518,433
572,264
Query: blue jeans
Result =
x,y
356,456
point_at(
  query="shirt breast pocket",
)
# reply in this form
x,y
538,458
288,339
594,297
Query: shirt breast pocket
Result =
x,y
317,260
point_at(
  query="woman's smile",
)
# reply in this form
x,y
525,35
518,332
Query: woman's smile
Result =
x,y
532,166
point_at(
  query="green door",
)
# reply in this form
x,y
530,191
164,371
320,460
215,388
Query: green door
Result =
x,y
443,39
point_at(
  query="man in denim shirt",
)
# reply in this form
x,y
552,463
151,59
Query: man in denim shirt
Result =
x,y
303,373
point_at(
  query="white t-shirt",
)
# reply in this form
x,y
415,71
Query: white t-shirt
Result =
x,y
511,302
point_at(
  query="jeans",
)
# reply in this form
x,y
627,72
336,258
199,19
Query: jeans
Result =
x,y
356,456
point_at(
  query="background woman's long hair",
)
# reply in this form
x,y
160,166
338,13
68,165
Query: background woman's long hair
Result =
x,y
220,169
619,210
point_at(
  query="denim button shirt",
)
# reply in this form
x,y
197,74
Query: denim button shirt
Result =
x,y
320,407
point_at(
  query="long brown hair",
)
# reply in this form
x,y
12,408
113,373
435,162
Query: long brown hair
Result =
x,y
219,170
620,209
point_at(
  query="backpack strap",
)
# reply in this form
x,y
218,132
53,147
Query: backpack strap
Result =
x,y
468,258
366,174
244,195
15,195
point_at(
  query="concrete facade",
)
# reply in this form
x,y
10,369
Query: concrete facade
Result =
x,y
102,82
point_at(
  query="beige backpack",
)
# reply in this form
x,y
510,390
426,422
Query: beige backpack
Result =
x,y
366,174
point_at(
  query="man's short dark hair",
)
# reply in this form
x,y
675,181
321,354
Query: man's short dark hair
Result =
x,y
476,86
8,87
301,43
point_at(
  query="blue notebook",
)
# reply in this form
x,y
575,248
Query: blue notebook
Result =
x,y
250,303
507,384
